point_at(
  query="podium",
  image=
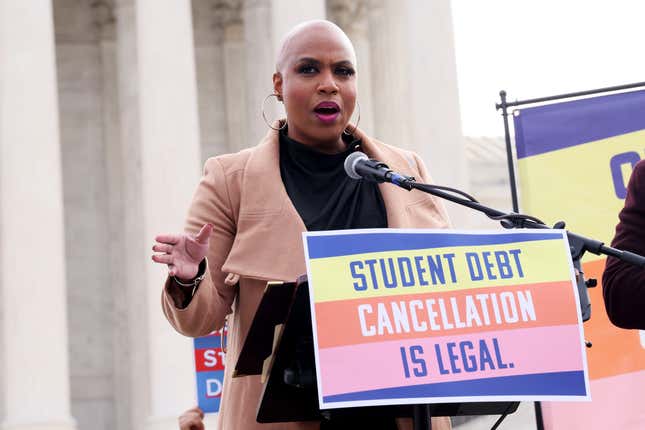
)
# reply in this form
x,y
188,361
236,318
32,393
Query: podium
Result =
x,y
280,347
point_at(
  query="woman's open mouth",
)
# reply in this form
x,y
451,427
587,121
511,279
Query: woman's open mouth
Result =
x,y
327,112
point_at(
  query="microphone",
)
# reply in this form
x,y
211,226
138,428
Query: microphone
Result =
x,y
359,166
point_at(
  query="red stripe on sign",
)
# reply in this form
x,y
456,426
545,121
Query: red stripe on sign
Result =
x,y
207,360
379,319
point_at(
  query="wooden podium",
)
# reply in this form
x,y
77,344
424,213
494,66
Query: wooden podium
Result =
x,y
279,346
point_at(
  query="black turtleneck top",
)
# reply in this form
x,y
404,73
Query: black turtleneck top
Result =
x,y
327,199
322,193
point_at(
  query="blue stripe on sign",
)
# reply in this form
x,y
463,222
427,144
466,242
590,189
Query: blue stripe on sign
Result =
x,y
209,390
562,125
207,342
540,384
350,244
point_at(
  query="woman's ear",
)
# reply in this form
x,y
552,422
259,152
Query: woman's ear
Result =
x,y
277,85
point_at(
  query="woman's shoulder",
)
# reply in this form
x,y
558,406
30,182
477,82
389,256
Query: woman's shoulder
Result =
x,y
238,161
402,152
390,153
385,148
231,162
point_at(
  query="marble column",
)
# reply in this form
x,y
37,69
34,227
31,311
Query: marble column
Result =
x,y
229,16
35,361
131,353
209,62
416,100
160,153
170,171
265,23
104,13
351,16
389,81
78,29
285,14
435,114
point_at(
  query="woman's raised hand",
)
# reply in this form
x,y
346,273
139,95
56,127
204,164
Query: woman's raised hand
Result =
x,y
182,252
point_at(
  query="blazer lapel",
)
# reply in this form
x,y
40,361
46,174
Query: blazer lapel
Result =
x,y
268,243
405,209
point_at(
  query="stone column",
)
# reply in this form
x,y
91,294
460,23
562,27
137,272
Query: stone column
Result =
x,y
130,310
258,37
389,62
229,16
265,23
105,21
209,62
160,153
435,114
78,30
170,171
351,16
34,362
416,101
285,14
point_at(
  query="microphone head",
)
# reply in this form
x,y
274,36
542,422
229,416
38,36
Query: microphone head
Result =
x,y
350,164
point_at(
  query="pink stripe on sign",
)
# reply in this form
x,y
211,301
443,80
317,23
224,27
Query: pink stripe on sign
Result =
x,y
373,366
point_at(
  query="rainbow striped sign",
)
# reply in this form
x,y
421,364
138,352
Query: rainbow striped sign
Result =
x,y
432,316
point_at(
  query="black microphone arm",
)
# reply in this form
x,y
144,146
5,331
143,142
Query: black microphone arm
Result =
x,y
579,244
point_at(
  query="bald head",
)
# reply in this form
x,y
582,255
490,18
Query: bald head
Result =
x,y
312,33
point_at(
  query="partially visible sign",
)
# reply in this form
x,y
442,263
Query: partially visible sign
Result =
x,y
432,316
209,368
575,159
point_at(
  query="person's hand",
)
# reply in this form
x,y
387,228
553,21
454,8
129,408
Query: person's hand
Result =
x,y
182,252
192,419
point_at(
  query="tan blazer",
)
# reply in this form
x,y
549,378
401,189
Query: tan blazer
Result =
x,y
257,236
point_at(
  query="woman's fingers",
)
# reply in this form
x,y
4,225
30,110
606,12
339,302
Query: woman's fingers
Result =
x,y
204,234
162,247
163,258
170,239
182,251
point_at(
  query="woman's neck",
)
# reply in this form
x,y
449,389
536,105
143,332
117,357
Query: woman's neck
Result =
x,y
332,146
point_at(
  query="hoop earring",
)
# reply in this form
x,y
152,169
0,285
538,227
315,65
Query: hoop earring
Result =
x,y
358,120
264,116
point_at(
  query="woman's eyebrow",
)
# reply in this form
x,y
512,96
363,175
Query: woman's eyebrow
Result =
x,y
308,60
344,63
311,60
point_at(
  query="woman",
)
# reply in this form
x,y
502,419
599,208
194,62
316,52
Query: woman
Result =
x,y
250,208
623,283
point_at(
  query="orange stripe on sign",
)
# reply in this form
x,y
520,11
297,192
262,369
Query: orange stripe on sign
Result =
x,y
356,321
615,351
